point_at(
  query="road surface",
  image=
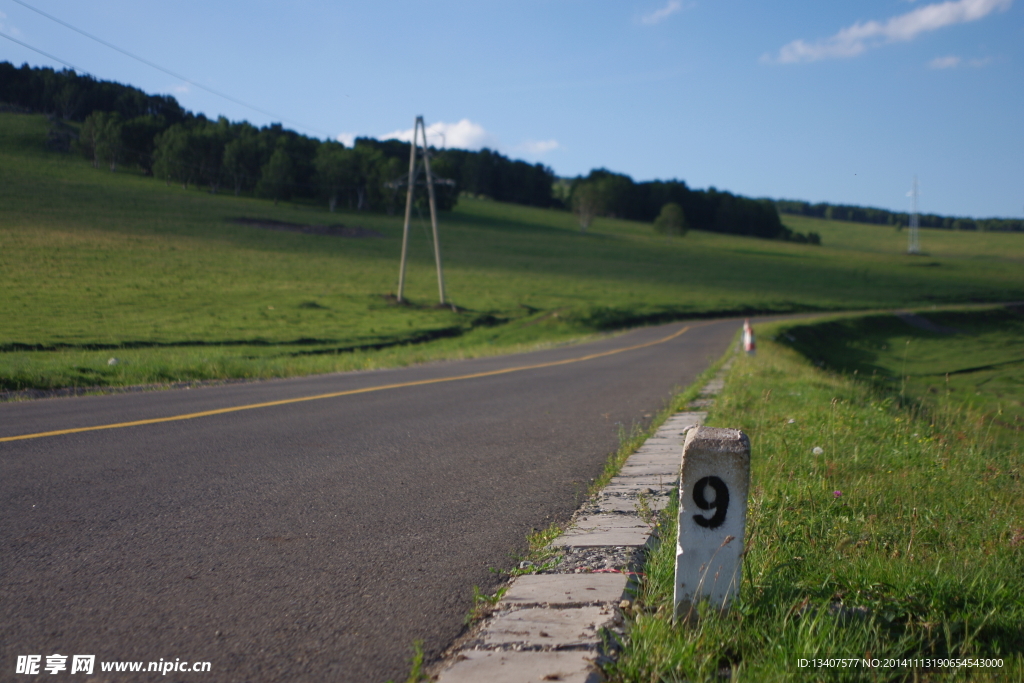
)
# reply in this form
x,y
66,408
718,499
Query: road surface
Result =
x,y
306,540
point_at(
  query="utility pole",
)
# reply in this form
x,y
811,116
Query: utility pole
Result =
x,y
413,172
408,211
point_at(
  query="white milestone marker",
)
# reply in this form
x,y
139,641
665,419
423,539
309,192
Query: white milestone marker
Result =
x,y
712,518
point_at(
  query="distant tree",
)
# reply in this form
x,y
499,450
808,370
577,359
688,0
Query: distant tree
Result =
x,y
335,171
391,170
278,175
209,141
616,191
561,190
175,156
68,100
100,138
671,220
111,142
302,152
191,153
138,136
369,183
241,163
586,203
88,139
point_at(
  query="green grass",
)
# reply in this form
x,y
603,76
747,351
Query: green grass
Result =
x,y
903,538
416,665
937,245
980,366
98,265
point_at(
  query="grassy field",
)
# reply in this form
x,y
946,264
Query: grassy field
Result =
x,y
974,359
936,245
99,265
902,537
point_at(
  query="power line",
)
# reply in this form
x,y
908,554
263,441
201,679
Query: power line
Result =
x,y
166,71
46,54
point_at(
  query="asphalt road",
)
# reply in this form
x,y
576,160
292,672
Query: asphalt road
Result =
x,y
312,540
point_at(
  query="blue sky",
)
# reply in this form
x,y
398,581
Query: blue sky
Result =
x,y
837,102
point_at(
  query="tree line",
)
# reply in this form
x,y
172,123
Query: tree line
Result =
x,y
122,125
897,219
605,193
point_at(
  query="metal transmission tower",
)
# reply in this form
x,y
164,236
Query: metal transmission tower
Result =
x,y
430,180
913,246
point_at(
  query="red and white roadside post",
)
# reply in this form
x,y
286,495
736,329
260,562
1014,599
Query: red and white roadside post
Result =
x,y
748,338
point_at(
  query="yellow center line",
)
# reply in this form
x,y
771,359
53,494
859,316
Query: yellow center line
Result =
x,y
350,392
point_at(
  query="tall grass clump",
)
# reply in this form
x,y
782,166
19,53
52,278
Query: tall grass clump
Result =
x,y
874,531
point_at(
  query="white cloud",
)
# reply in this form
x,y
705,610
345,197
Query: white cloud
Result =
x,y
944,62
537,148
668,10
465,134
181,89
462,135
347,139
855,39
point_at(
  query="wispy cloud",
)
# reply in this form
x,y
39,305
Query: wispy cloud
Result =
x,y
855,39
7,28
536,148
665,12
181,89
944,62
952,61
464,135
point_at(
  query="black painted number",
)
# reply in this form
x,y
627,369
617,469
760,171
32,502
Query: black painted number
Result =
x,y
720,504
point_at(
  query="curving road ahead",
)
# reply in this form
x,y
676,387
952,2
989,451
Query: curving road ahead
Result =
x,y
305,540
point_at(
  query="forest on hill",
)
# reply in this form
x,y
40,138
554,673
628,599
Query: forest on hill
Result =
x,y
897,219
120,125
